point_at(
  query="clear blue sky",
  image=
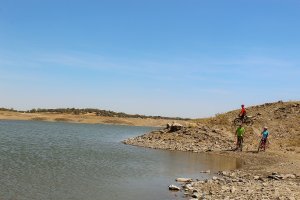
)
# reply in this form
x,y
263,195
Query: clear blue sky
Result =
x,y
188,58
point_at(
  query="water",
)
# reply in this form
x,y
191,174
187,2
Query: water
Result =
x,y
44,160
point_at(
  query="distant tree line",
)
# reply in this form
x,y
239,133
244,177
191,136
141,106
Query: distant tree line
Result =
x,y
97,112
8,109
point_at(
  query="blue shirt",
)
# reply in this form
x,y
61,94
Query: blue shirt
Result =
x,y
265,134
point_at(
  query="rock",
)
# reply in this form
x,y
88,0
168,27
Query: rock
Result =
x,y
233,189
289,176
256,177
225,173
209,181
214,178
276,177
188,187
207,171
265,184
184,180
196,195
168,125
174,187
224,187
174,127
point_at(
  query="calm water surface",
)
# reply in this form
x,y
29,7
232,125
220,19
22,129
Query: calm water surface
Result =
x,y
44,160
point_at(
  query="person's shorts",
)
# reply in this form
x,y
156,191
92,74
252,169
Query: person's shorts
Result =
x,y
240,138
264,140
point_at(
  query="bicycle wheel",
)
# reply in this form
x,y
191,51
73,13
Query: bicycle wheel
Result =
x,y
259,146
248,122
237,121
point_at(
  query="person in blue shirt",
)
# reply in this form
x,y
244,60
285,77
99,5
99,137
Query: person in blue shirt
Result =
x,y
265,133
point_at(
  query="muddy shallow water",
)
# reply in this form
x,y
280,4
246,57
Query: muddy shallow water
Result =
x,y
44,160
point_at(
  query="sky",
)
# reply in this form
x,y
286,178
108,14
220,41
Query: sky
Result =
x,y
177,58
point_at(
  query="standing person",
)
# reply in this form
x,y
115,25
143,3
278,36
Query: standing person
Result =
x,y
243,112
264,139
240,134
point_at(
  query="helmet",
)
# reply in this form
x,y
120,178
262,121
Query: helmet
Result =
x,y
265,127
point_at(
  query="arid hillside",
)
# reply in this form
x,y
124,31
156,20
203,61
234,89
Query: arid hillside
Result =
x,y
218,133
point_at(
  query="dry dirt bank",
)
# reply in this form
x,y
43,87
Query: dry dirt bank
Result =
x,y
274,174
84,118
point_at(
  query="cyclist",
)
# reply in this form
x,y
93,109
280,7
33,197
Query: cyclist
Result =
x,y
243,112
264,134
239,133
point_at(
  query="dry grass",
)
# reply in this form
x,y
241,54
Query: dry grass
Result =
x,y
39,118
62,119
88,119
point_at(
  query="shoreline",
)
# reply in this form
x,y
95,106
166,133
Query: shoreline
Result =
x,y
86,119
264,175
273,174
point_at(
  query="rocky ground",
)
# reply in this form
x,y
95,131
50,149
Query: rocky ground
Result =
x,y
273,174
241,185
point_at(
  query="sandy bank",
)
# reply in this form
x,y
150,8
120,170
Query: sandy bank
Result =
x,y
85,118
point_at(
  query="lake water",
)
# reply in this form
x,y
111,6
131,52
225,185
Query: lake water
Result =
x,y
44,160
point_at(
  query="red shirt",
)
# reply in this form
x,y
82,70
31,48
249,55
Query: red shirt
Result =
x,y
243,111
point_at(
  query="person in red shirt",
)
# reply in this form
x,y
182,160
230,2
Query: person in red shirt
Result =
x,y
243,112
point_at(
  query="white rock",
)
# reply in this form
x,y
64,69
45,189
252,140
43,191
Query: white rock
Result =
x,y
189,187
207,171
184,179
174,187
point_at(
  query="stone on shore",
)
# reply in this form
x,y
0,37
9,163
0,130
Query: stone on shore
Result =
x,y
174,188
174,127
184,180
207,171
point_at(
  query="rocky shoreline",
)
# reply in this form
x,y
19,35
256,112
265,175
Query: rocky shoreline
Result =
x,y
238,184
253,181
204,139
274,174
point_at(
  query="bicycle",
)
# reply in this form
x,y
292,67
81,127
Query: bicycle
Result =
x,y
262,145
247,120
